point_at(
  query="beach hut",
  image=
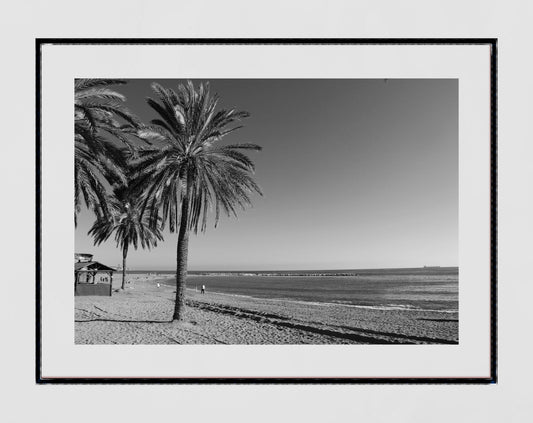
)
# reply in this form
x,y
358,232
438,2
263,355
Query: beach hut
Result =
x,y
85,276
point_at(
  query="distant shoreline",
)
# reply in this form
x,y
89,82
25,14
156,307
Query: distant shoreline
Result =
x,y
421,289
308,273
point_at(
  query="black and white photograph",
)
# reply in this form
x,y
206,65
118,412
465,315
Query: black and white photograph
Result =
x,y
266,211
328,219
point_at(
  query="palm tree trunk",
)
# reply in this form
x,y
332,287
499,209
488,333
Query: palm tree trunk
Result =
x,y
181,258
124,255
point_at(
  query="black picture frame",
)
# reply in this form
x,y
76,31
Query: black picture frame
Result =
x,y
492,379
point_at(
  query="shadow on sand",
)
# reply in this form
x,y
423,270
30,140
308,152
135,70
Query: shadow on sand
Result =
x,y
363,335
122,321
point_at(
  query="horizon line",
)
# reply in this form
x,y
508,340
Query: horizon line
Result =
x,y
299,270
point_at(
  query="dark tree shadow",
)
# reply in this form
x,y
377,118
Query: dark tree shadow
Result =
x,y
362,335
402,336
365,336
123,321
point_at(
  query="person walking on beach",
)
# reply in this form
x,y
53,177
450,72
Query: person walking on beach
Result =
x,y
203,289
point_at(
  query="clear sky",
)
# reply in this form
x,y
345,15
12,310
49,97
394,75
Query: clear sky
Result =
x,y
355,174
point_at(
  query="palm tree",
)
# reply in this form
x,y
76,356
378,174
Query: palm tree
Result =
x,y
191,171
98,111
128,223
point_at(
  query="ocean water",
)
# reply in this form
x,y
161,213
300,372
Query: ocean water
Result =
x,y
410,289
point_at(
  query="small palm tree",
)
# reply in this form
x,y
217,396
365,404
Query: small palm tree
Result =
x,y
191,171
98,111
129,225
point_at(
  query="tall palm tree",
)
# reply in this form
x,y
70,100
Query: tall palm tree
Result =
x,y
98,113
190,171
128,223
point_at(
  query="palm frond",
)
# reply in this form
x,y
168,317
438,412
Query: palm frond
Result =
x,y
85,83
99,114
127,222
99,93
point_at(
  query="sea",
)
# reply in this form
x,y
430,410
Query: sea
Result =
x,y
428,288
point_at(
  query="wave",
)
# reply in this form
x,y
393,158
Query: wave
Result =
x,y
387,307
226,294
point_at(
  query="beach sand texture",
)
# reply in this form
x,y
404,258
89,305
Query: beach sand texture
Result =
x,y
141,315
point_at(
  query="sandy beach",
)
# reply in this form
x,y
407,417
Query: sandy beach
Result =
x,y
141,315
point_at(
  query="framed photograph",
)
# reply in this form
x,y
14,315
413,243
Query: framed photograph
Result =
x,y
266,211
